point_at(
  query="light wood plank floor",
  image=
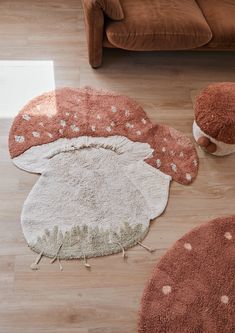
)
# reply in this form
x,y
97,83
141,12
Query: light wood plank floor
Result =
x,y
106,299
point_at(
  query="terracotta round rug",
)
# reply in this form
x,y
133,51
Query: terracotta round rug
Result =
x,y
192,287
105,171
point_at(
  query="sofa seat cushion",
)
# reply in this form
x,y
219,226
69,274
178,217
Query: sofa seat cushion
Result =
x,y
159,25
220,16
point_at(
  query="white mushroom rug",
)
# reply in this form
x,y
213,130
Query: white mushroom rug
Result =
x,y
105,171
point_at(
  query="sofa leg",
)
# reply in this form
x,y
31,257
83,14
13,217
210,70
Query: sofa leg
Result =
x,y
96,60
95,66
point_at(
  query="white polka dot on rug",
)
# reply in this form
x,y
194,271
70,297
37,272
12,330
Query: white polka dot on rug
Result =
x,y
63,123
228,235
36,134
224,299
158,163
173,167
166,290
108,129
188,176
188,246
26,117
19,138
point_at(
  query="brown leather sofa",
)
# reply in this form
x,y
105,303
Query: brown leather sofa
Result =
x,y
150,25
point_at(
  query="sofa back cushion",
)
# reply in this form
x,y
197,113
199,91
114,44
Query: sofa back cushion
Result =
x,y
220,15
112,8
159,25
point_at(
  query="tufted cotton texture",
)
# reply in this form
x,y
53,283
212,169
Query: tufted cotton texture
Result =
x,y
192,287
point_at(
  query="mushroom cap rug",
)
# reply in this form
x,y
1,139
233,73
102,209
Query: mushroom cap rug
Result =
x,y
105,171
192,287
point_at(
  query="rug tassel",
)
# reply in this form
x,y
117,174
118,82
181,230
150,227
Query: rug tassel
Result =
x,y
56,255
124,254
61,267
85,262
34,266
147,248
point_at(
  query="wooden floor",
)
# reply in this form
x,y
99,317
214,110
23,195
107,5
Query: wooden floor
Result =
x,y
105,299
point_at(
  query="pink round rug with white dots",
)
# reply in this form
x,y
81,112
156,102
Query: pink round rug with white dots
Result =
x,y
192,287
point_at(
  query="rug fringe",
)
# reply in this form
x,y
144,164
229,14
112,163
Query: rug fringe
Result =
x,y
124,254
57,253
61,267
146,247
34,266
85,262
56,257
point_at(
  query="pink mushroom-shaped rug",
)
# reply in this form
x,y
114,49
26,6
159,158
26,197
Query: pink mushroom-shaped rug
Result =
x,y
105,171
192,287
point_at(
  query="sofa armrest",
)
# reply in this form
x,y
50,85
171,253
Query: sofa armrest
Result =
x,y
94,11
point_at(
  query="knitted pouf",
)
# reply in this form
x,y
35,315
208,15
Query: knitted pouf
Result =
x,y
214,125
191,289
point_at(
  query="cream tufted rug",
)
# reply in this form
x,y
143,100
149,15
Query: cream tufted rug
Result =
x,y
92,200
